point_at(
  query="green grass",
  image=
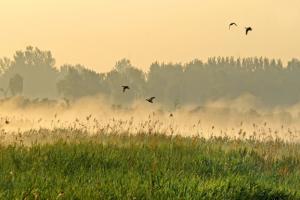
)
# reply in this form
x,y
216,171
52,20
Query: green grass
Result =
x,y
150,167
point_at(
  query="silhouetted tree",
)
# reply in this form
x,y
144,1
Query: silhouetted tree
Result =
x,y
36,67
80,81
172,84
16,85
125,74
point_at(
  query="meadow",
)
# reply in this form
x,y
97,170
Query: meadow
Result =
x,y
76,165
91,151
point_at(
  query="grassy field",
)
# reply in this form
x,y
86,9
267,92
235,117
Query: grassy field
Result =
x,y
148,166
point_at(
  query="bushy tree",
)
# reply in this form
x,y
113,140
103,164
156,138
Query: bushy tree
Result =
x,y
36,67
16,85
125,74
172,83
80,81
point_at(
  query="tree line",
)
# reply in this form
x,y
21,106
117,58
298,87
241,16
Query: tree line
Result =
x,y
32,73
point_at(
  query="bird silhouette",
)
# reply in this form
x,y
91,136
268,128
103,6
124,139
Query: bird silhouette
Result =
x,y
150,100
231,24
248,29
6,121
171,115
125,87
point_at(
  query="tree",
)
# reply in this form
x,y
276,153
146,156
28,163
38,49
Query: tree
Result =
x,y
16,84
125,74
80,81
36,67
5,63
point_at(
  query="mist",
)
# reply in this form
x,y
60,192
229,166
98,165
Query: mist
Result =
x,y
243,117
223,96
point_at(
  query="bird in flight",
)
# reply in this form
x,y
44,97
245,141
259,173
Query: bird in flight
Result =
x,y
231,24
150,100
125,87
248,29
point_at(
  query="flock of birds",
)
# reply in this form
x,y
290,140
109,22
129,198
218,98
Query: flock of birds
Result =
x,y
150,100
247,29
126,87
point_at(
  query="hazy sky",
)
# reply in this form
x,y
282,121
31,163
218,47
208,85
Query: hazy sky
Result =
x,y
97,33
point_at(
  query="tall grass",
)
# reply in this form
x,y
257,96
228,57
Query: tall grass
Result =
x,y
75,165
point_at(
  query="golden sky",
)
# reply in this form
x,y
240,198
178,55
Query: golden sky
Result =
x,y
97,33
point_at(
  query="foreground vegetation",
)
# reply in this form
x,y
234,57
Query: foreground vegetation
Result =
x,y
149,167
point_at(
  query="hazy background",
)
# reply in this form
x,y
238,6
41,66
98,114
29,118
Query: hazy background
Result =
x,y
97,33
67,60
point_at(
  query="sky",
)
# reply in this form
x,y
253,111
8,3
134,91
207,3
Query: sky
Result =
x,y
97,33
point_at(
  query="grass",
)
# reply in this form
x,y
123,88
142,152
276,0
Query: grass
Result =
x,y
148,166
